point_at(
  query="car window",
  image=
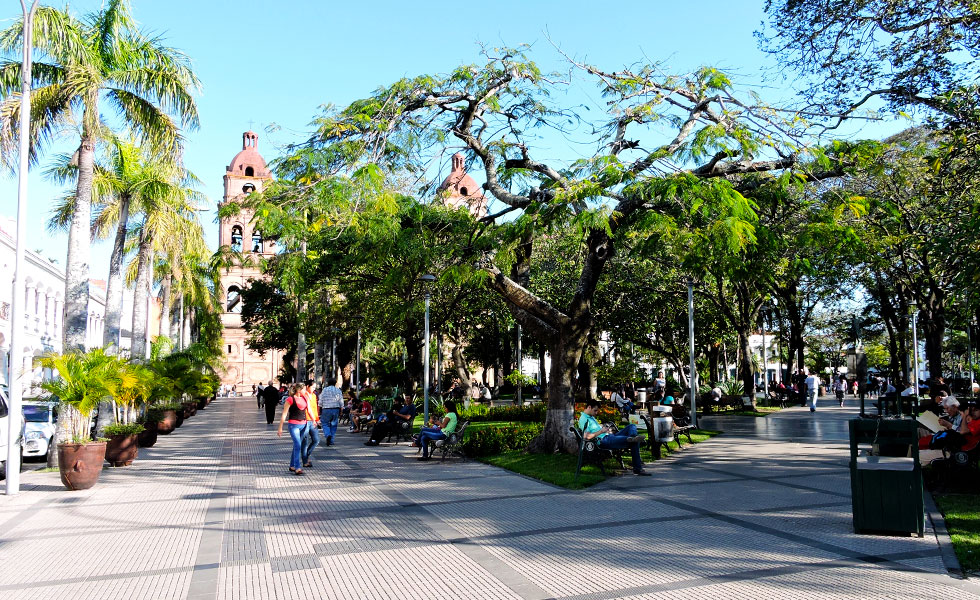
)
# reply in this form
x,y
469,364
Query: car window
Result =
x,y
35,414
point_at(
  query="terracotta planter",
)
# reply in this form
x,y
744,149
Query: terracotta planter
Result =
x,y
80,464
148,437
121,450
168,423
201,403
190,409
180,417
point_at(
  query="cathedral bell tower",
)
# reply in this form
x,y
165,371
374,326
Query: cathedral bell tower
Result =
x,y
246,173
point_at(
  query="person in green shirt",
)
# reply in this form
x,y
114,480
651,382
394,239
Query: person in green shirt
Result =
x,y
440,432
620,440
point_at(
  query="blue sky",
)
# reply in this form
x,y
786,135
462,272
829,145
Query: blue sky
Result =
x,y
277,62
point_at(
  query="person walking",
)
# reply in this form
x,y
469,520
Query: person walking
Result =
x,y
812,389
840,388
294,412
331,402
270,399
311,437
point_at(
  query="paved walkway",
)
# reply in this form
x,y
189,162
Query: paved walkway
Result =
x,y
211,512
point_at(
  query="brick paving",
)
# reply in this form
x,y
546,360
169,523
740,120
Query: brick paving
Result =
x,y
211,512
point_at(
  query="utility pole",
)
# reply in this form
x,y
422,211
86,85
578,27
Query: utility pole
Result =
x,y
520,368
15,368
690,331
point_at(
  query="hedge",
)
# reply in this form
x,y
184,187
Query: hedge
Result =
x,y
519,414
494,440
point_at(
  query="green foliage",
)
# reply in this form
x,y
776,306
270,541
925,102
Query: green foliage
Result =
x,y
495,440
123,429
534,413
84,380
518,379
732,387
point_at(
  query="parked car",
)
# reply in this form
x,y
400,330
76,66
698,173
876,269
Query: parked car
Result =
x,y
5,417
39,424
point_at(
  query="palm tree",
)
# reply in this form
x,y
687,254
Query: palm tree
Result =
x,y
102,58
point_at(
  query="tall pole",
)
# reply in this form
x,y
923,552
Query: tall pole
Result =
x,y
439,360
425,364
520,369
357,366
765,359
690,333
969,349
15,368
915,352
333,357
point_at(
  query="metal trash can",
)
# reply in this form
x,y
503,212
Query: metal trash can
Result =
x,y
886,491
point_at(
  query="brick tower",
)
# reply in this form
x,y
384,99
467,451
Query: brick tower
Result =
x,y
246,173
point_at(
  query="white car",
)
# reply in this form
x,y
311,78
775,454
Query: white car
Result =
x,y
4,424
39,423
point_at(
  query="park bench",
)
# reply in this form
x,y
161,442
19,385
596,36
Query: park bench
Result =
x,y
403,430
589,451
682,423
453,444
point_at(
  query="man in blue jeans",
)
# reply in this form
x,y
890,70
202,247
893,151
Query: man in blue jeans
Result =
x,y
331,401
622,439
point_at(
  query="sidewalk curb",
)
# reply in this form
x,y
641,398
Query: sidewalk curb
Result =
x,y
938,523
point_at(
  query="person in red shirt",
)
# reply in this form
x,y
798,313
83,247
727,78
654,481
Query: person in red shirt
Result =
x,y
364,410
294,412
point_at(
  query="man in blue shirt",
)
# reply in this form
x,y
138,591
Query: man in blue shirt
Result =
x,y
626,437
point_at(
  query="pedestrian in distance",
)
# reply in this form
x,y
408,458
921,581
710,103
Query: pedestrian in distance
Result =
x,y
331,403
270,400
812,390
294,413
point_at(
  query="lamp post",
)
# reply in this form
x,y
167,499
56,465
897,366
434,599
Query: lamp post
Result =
x,y
15,366
969,348
690,331
427,278
357,366
765,360
520,368
915,352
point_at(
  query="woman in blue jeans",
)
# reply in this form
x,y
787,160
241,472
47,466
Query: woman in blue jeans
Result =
x,y
294,412
448,426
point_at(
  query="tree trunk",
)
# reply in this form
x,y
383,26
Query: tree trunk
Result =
x,y
115,285
933,321
542,369
561,407
462,370
745,369
165,305
318,364
141,296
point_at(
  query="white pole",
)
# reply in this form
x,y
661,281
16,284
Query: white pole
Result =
x,y
357,367
969,351
765,360
915,353
694,373
15,372
520,367
425,365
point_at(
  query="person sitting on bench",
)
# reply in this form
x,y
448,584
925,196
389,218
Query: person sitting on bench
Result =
x,y
402,411
622,404
608,440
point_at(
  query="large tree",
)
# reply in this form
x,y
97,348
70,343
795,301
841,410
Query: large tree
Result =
x,y
492,110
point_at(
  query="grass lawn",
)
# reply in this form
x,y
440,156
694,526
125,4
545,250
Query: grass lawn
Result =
x,y
559,469
962,513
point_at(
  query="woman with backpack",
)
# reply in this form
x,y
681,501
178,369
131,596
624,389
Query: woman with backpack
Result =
x,y
440,432
294,412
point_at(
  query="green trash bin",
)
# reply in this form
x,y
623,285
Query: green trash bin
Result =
x,y
886,491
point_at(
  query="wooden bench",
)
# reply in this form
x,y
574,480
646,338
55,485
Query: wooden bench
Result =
x,y
403,430
682,423
589,450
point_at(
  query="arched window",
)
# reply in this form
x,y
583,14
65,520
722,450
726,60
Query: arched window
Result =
x,y
257,241
463,191
234,299
248,188
249,172
236,238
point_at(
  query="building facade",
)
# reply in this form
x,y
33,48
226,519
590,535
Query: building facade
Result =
x,y
246,173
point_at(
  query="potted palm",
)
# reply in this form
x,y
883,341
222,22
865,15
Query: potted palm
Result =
x,y
122,446
84,379
132,386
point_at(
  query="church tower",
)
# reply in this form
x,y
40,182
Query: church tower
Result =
x,y
246,173
459,189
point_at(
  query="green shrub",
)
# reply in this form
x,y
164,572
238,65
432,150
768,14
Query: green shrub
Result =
x,y
522,414
123,429
494,440
170,406
153,415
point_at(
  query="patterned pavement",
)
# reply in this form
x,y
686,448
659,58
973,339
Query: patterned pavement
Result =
x,y
211,512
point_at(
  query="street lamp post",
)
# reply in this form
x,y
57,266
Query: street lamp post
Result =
x,y
765,359
427,278
520,368
15,367
969,349
915,352
357,366
690,331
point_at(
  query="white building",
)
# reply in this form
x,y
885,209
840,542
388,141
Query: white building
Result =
x,y
45,289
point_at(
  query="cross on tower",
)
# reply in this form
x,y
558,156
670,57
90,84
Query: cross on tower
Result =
x,y
250,125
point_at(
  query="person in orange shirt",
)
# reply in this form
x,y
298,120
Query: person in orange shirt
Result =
x,y
311,437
